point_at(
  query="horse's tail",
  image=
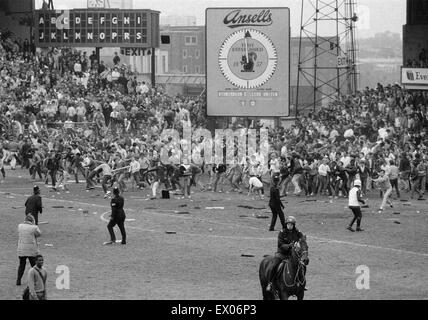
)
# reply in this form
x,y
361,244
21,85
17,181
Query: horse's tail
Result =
x,y
264,277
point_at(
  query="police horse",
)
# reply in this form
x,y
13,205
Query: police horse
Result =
x,y
289,277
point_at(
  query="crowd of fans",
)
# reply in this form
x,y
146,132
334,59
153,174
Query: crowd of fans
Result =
x,y
420,62
63,113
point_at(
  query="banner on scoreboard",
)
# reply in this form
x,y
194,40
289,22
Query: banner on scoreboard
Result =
x,y
414,76
248,62
97,28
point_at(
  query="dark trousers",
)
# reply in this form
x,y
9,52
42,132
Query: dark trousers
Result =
x,y
76,173
121,224
104,182
22,263
357,216
52,173
312,184
394,184
25,162
89,179
36,169
363,179
322,184
276,211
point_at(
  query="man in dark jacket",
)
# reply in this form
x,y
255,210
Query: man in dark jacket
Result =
x,y
404,170
117,216
33,205
25,151
276,205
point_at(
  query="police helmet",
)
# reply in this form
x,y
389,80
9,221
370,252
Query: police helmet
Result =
x,y
290,219
36,189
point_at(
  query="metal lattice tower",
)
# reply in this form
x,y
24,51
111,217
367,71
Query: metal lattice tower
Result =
x,y
328,64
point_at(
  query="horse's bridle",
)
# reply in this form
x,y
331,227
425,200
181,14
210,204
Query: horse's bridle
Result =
x,y
299,256
301,265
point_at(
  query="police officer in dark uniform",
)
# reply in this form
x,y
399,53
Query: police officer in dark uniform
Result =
x,y
286,239
276,205
33,205
117,216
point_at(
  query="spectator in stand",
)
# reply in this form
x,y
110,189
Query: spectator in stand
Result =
x,y
71,112
423,58
93,59
80,112
78,68
116,59
101,67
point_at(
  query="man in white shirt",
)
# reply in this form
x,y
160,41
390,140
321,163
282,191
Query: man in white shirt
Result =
x,y
78,69
349,133
68,124
354,205
345,159
114,115
71,112
274,165
144,88
323,171
255,185
383,134
81,111
134,169
333,134
105,169
115,74
284,150
393,175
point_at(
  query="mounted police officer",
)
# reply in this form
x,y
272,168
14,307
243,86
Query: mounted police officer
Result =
x,y
286,239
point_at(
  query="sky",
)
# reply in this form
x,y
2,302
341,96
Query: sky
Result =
x,y
375,15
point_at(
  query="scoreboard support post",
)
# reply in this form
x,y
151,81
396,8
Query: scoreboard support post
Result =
x,y
153,68
97,53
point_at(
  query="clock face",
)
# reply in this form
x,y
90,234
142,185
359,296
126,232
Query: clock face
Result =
x,y
248,58
95,3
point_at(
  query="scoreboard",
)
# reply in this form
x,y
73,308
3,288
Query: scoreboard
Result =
x,y
97,28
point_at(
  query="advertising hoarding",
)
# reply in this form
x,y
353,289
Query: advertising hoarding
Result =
x,y
414,78
248,62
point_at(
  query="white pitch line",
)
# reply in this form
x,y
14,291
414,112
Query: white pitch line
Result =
x,y
18,188
368,246
146,212
189,234
318,239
